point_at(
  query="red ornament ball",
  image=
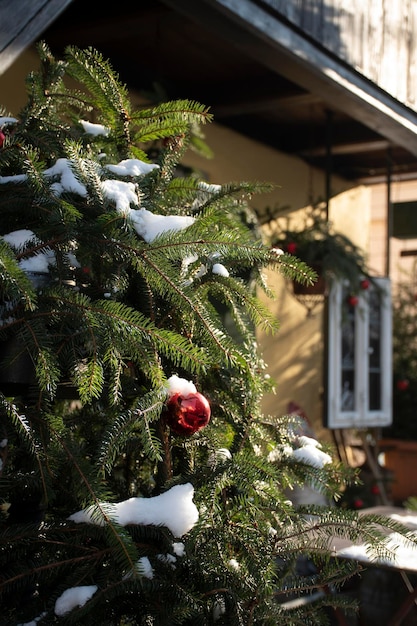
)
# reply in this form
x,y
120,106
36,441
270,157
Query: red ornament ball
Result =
x,y
187,414
2,138
291,247
352,300
402,384
358,503
364,284
375,490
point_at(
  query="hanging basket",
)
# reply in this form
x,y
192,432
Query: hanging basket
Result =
x,y
310,296
319,287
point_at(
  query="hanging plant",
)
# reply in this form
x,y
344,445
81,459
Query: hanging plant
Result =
x,y
331,254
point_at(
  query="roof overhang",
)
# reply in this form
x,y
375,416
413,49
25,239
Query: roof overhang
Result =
x,y
257,30
260,75
21,23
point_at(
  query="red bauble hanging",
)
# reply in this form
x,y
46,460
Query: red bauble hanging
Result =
x,y
353,300
186,414
364,284
292,247
402,384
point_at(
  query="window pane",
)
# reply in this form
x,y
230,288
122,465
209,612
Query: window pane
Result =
x,y
347,387
374,351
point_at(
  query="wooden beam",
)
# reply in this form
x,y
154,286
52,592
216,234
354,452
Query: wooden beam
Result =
x,y
22,22
380,176
259,105
348,148
136,21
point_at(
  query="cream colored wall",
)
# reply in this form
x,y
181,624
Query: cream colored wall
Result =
x,y
401,268
237,158
12,82
350,213
295,356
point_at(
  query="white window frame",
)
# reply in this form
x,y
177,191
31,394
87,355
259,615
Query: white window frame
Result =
x,y
360,416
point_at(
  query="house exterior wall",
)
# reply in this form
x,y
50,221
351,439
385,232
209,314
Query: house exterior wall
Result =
x,y
296,359
402,268
295,356
12,81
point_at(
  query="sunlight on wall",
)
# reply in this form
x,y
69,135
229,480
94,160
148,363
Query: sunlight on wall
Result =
x,y
295,355
237,158
402,268
350,213
296,358
12,82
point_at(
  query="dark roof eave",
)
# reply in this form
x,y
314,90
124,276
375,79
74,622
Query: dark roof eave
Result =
x,y
284,50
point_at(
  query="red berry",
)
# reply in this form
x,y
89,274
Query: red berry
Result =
x,y
364,284
352,300
187,414
358,503
375,490
292,247
402,384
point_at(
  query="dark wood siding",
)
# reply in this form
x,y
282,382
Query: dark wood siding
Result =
x,y
22,22
376,37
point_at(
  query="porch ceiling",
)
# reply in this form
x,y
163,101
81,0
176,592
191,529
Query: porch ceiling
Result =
x,y
252,84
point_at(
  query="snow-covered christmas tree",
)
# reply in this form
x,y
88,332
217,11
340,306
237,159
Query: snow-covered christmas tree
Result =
x,y
140,482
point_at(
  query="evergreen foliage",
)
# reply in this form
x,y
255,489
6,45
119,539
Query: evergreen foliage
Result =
x,y
97,336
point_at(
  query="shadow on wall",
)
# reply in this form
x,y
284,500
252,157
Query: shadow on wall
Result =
x,y
295,357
